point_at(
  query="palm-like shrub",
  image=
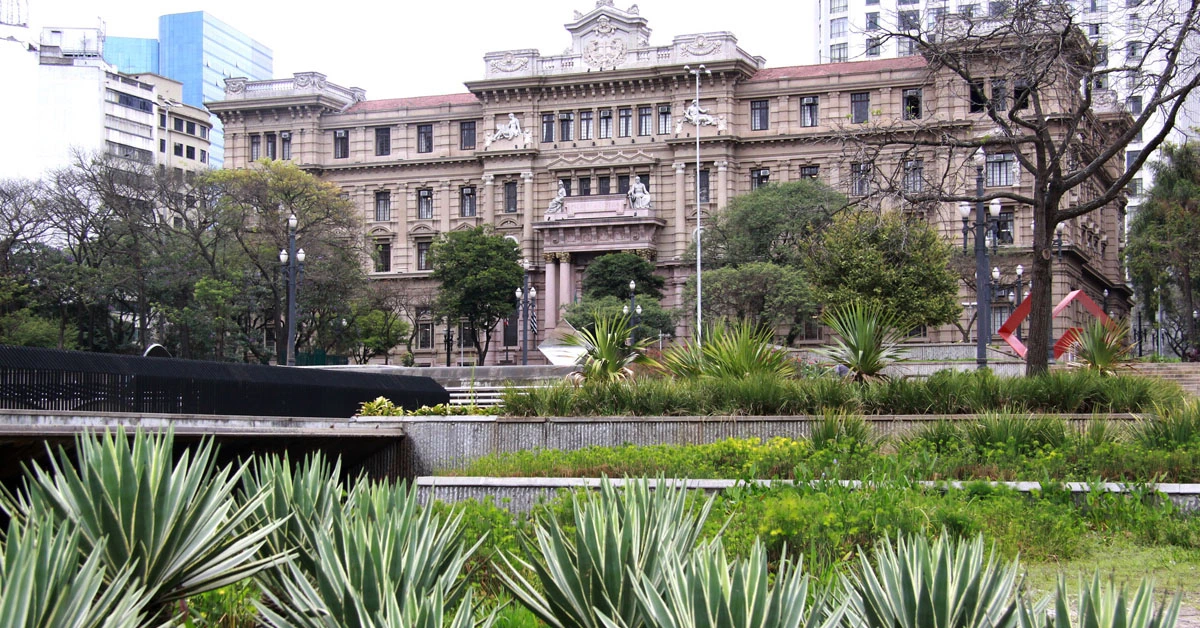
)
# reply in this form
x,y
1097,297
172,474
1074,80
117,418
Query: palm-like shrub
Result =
x,y
709,592
608,354
1169,428
45,581
622,539
867,339
949,584
1101,346
374,558
175,525
1103,606
737,349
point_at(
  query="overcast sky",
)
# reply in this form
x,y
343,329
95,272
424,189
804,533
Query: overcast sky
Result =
x,y
415,48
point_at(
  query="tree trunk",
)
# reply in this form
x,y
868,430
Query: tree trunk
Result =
x,y
1189,302
1041,293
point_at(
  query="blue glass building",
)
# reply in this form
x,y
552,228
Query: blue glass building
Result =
x,y
199,51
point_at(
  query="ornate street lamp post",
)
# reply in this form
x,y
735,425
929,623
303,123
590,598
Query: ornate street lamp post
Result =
x,y
636,309
449,338
525,298
293,260
699,290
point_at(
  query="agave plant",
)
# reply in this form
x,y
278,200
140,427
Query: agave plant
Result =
x,y
46,581
623,539
1103,606
608,352
709,592
174,525
868,339
1101,346
737,349
370,563
951,584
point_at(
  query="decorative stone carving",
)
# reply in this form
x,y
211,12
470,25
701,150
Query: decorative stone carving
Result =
x,y
633,10
510,63
639,196
235,85
556,205
508,131
604,3
697,116
606,50
701,46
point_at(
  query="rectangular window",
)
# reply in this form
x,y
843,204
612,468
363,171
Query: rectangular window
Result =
x,y
585,125
759,177
839,53
547,127
425,335
704,186
809,110
839,6
837,27
605,186
1000,94
203,131
424,204
566,126
625,121
902,2
424,138
623,184
423,256
285,145
383,206
644,113
914,175
271,146
664,119
909,20
566,185
510,197
341,144
760,115
874,47
998,9
860,107
383,141
1004,227
978,98
162,120
585,186
466,336
967,10
383,257
873,21
1131,157
203,156
1021,94
466,201
1135,187
872,2
191,152
162,146
1000,169
178,124
1093,30
466,135
605,124
255,148
191,128
810,172
912,104
1135,105
860,179
512,324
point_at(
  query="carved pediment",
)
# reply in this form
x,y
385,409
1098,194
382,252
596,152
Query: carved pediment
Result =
x,y
422,230
602,158
604,36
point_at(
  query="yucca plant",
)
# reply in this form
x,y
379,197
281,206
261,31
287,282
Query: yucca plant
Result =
x,y
867,339
729,349
709,592
1101,346
372,560
608,353
949,584
174,524
1169,428
1102,606
622,539
45,581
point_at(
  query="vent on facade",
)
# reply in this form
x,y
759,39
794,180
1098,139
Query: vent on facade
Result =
x,y
339,134
287,135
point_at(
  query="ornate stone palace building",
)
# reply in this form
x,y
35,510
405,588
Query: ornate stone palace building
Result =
x,y
594,151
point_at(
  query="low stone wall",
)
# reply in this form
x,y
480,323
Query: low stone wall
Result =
x,y
434,444
522,494
465,376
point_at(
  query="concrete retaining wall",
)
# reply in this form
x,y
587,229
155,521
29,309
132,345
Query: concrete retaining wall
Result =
x,y
522,494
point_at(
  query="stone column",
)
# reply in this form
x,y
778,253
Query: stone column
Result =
x,y
551,298
486,198
442,202
565,275
722,184
527,219
681,229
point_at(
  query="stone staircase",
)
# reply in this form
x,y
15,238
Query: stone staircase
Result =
x,y
1186,374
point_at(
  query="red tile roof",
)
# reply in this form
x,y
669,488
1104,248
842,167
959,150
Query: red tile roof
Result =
x,y
828,69
418,101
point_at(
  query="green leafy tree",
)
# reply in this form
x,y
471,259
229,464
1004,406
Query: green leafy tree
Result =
x,y
900,264
774,223
609,275
765,294
653,320
376,332
479,272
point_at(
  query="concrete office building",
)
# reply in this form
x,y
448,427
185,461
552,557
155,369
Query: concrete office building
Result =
x,y
594,151
198,50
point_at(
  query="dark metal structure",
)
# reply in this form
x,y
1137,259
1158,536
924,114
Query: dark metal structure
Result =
x,y
48,379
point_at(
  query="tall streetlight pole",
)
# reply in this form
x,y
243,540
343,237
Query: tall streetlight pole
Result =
x,y
449,338
634,309
982,282
294,261
699,290
525,297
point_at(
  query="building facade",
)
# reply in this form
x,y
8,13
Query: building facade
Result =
x,y
604,148
199,51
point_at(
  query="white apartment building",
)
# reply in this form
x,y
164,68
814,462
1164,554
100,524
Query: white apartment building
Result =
x,y
852,30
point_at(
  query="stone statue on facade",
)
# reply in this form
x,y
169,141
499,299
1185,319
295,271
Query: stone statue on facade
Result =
x,y
508,131
556,204
696,115
639,196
